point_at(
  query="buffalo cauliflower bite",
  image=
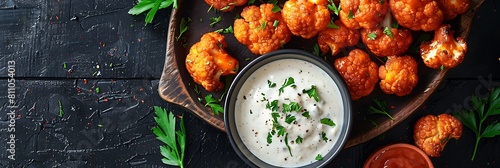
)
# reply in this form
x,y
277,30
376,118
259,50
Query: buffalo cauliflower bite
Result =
x,y
452,9
261,29
225,5
207,61
443,50
399,75
431,133
335,39
359,73
417,14
367,14
306,18
381,43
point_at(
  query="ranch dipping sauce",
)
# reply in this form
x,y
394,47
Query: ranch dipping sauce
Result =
x,y
289,113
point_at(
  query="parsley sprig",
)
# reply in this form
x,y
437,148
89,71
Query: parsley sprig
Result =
x,y
380,109
483,108
152,6
213,104
173,151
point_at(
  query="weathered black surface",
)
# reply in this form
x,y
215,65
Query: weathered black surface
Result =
x,y
64,50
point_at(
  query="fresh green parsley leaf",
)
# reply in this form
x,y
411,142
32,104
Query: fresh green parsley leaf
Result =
x,y
442,67
331,6
269,138
484,108
225,30
312,93
175,141
350,15
292,106
275,119
298,140
381,108
152,6
323,137
333,25
213,104
273,105
271,84
289,119
97,90
306,114
276,22
317,51
61,111
183,27
327,121
319,157
276,8
64,65
372,36
215,20
388,32
281,130
288,146
288,82
263,26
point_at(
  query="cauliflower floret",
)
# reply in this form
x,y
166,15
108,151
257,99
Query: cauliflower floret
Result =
x,y
306,18
337,38
362,13
452,9
207,61
398,75
443,50
431,133
225,5
359,73
417,14
261,30
386,40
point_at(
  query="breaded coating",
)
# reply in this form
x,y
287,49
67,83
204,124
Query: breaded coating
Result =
x,y
431,133
306,18
225,5
385,40
261,29
335,39
452,8
207,61
359,73
399,75
417,14
443,50
366,14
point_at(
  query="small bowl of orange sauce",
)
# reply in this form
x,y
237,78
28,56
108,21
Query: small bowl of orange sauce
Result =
x,y
398,155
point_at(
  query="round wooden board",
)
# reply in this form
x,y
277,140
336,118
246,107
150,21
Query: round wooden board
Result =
x,y
176,85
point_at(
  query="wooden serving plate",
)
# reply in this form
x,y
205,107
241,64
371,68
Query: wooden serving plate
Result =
x,y
176,85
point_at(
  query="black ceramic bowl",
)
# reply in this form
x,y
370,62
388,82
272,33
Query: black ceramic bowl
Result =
x,y
229,115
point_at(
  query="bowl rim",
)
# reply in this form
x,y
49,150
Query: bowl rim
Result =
x,y
396,145
231,130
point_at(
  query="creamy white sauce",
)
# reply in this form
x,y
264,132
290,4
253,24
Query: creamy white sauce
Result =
x,y
254,120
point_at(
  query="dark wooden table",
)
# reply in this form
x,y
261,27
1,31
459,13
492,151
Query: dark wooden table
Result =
x,y
86,77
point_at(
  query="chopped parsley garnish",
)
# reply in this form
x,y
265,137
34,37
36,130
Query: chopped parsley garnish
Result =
x,y
331,6
288,82
281,130
271,84
381,108
289,119
372,36
276,8
276,22
213,104
298,140
442,67
306,114
269,138
215,20
317,51
319,157
225,8
333,25
327,121
263,26
225,30
350,15
312,93
273,106
323,137
292,106
388,32
288,146
183,27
